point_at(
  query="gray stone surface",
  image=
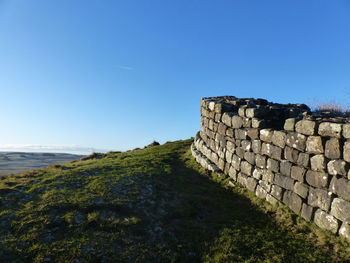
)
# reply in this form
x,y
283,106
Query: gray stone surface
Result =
x,y
285,167
347,151
341,209
289,124
307,212
227,119
330,129
301,189
237,122
251,183
284,181
291,154
332,149
298,173
260,161
260,192
277,191
296,140
305,127
266,135
314,144
279,138
344,231
319,198
337,167
246,168
272,165
317,179
253,134
256,146
250,157
346,131
341,187
293,201
326,221
318,162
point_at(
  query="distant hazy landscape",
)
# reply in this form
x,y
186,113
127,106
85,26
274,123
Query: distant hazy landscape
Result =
x,y
16,162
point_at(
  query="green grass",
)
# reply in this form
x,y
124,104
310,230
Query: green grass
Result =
x,y
149,205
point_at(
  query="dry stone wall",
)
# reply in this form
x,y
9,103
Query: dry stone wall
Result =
x,y
283,153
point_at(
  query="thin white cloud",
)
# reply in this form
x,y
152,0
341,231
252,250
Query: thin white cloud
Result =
x,y
74,149
125,67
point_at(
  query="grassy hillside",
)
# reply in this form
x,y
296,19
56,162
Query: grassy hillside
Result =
x,y
149,205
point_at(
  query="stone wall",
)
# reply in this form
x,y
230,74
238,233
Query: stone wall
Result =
x,y
283,153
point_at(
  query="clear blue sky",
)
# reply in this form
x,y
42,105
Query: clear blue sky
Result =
x,y
118,74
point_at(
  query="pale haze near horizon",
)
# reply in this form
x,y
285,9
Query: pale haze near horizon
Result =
x,y
118,75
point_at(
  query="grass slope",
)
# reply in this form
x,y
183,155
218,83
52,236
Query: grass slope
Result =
x,y
149,205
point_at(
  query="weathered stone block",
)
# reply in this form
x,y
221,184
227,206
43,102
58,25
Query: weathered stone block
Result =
x,y
284,182
319,198
246,168
218,117
330,129
250,157
301,189
296,140
246,145
317,179
332,149
341,209
222,129
297,173
307,212
272,165
256,146
314,144
257,173
237,122
277,191
266,149
266,135
326,221
221,164
318,162
341,187
260,192
232,172
303,159
276,152
228,156
256,123
336,167
260,161
285,167
247,123
230,146
265,185
240,152
253,134
306,127
230,133
272,200
346,131
291,154
289,124
293,201
241,111
251,183
268,176
279,138
347,151
236,162
227,118
344,231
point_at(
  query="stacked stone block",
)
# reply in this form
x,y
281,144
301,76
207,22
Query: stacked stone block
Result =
x,y
282,153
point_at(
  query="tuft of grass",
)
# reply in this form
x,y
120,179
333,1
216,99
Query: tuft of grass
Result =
x,y
150,205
